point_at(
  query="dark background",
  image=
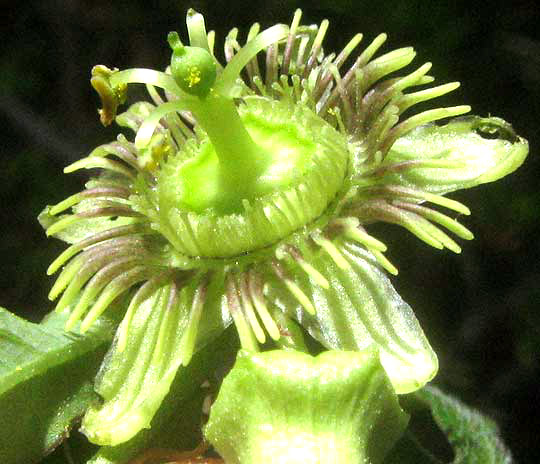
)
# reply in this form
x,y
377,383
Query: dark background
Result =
x,y
479,309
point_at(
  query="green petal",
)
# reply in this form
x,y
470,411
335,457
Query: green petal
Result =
x,y
176,424
463,153
72,228
360,309
336,407
134,381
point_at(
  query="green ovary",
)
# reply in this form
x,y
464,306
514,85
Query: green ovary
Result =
x,y
284,155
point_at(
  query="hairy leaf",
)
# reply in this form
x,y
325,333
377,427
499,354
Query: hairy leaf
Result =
x,y
46,382
471,437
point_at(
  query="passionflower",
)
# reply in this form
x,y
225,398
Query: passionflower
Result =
x,y
246,198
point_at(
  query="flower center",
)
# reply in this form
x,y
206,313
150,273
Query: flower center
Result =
x,y
258,173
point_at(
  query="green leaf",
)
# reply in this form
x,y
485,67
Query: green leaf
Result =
x,y
134,382
287,406
360,308
465,152
443,430
46,378
473,436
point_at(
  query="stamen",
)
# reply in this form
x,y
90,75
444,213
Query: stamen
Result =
x,y
148,76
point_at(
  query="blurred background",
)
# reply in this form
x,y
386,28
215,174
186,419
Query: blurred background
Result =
x,y
479,310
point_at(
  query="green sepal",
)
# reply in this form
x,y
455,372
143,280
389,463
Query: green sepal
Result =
x,y
286,406
360,308
46,382
463,153
134,382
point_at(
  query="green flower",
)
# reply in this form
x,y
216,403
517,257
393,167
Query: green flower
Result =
x,y
244,199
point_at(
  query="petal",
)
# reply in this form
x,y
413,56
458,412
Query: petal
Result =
x,y
463,153
360,309
164,330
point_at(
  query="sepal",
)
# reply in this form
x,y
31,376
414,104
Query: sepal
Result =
x,y
463,153
359,308
164,331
